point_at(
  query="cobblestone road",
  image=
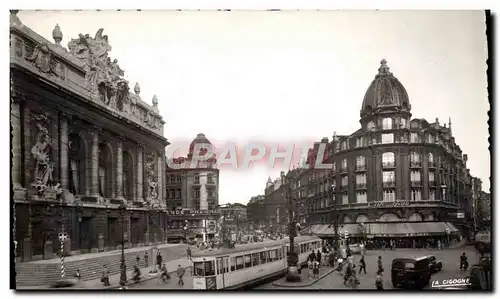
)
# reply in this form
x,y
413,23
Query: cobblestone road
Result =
x,y
449,257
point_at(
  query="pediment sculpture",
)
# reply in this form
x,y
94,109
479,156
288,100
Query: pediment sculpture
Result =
x,y
102,75
151,178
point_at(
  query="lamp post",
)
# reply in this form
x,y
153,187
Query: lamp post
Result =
x,y
185,228
447,237
292,274
123,266
335,219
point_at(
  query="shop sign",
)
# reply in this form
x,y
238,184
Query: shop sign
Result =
x,y
389,204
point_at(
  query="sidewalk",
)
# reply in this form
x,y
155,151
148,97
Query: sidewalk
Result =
x,y
306,278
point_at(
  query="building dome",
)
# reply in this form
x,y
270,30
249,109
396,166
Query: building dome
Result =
x,y
204,144
385,91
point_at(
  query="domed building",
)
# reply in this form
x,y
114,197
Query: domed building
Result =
x,y
395,177
192,189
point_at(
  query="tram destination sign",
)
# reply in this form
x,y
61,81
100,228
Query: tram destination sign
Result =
x,y
389,204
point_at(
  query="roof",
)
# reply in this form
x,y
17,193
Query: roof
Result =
x,y
251,246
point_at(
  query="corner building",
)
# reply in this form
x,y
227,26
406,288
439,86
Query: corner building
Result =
x,y
402,176
193,195
82,145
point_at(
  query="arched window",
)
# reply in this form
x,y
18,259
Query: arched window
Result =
x,y
415,217
388,159
362,218
387,123
105,171
77,166
360,162
128,183
344,164
389,217
347,219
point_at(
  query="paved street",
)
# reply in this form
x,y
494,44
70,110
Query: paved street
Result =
x,y
172,284
449,257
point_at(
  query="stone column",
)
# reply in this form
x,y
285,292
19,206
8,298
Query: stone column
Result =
x,y
16,147
160,178
140,167
119,168
94,161
63,147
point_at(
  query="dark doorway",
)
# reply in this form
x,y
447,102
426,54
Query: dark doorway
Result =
x,y
113,232
87,234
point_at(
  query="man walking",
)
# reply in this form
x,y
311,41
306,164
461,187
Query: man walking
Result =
x,y
379,264
159,260
180,273
362,265
188,250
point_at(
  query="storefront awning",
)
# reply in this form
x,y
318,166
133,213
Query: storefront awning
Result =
x,y
390,229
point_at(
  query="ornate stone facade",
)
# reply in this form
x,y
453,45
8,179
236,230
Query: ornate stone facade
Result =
x,y
81,144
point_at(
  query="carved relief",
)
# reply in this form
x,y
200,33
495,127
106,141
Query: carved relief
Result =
x,y
102,75
42,60
151,178
19,47
150,120
42,152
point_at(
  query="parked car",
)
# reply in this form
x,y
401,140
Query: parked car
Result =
x,y
434,264
355,248
408,272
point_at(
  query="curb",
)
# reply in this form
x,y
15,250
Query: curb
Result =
x,y
303,284
141,281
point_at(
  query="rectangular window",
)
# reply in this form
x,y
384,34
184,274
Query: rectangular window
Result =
x,y
210,193
196,178
345,181
345,199
344,164
210,178
431,176
102,181
389,196
415,195
255,259
387,138
361,197
263,258
178,193
432,195
239,262
415,176
360,163
388,177
360,142
414,138
197,205
361,180
248,261
431,138
74,176
196,193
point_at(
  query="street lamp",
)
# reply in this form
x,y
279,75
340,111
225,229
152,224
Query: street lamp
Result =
x,y
185,228
292,274
123,266
447,237
335,219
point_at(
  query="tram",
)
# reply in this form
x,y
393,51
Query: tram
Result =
x,y
245,265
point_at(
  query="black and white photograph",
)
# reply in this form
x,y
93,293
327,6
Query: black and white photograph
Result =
x,y
255,150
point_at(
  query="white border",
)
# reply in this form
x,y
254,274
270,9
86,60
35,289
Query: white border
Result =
x,y
192,5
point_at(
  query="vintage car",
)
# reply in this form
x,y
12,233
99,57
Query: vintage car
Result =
x,y
355,248
410,273
434,264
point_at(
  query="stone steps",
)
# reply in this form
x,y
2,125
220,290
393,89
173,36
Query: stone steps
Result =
x,y
36,274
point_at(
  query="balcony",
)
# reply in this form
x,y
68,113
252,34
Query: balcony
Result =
x,y
389,184
386,165
432,165
415,164
360,186
416,183
209,182
360,168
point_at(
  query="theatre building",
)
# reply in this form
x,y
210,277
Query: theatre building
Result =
x,y
396,176
86,152
192,195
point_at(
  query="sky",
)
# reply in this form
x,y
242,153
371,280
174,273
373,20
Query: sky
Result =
x,y
292,76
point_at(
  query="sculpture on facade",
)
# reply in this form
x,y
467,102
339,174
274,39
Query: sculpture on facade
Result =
x,y
102,75
150,173
41,152
42,60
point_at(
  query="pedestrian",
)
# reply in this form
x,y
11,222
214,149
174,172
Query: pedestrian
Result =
x,y
379,280
158,260
318,256
188,252
105,276
312,256
138,259
180,273
146,258
362,265
315,268
77,275
310,268
379,264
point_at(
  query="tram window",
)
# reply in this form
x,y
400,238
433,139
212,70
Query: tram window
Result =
x,y
255,259
198,269
279,254
209,268
263,258
239,262
233,264
248,261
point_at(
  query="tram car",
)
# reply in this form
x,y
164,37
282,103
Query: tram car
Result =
x,y
248,264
